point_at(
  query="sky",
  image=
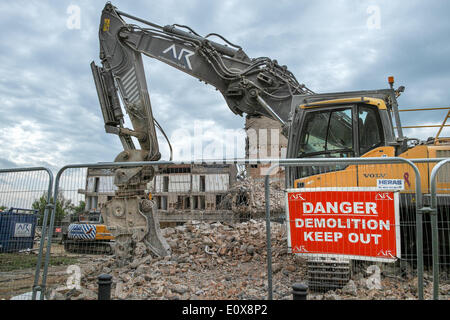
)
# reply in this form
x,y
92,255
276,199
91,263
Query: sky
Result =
x,y
49,110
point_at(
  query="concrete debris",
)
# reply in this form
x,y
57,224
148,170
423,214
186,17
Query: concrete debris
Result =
x,y
27,296
64,293
224,261
350,288
247,197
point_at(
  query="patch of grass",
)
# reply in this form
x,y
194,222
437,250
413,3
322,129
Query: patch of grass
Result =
x,y
20,261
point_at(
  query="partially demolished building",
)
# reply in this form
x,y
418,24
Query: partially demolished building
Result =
x,y
205,191
99,188
264,140
181,192
193,187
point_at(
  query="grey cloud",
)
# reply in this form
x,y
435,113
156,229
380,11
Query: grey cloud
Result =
x,y
45,77
6,164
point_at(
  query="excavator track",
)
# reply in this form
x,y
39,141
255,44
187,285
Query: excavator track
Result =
x,y
89,247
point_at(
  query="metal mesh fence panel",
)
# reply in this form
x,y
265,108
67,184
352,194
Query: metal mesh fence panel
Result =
x,y
70,205
347,277
211,221
211,216
442,204
76,208
23,197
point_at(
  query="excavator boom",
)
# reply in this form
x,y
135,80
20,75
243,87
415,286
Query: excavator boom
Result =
x,y
257,87
253,86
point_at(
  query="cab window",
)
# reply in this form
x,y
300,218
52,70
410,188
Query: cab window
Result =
x,y
370,134
327,133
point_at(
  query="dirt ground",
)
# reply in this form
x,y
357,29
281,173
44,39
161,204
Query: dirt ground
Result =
x,y
17,270
215,261
209,261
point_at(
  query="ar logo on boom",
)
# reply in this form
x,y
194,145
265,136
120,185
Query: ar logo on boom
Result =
x,y
187,54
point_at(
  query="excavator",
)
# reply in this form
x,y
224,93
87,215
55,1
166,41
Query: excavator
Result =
x,y
326,125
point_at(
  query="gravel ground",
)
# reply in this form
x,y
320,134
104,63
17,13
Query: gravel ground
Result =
x,y
215,261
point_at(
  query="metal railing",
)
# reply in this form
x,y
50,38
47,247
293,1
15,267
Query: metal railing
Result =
x,y
433,211
348,161
20,188
183,200
419,206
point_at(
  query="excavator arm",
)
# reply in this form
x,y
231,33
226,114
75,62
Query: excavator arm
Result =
x,y
252,86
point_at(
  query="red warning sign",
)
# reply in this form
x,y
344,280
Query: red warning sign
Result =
x,y
357,223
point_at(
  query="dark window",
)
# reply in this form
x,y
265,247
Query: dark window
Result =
x,y
161,202
179,204
340,134
96,184
201,202
370,135
187,203
158,202
176,170
313,137
165,184
164,203
202,184
326,134
195,202
218,199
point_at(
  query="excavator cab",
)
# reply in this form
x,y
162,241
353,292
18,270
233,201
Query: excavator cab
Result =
x,y
355,124
364,124
342,125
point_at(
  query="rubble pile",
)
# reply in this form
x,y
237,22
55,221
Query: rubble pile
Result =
x,y
247,197
208,261
222,261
